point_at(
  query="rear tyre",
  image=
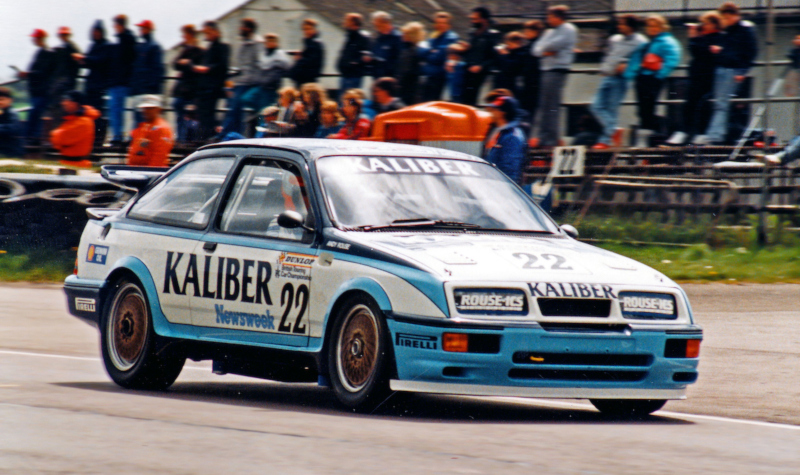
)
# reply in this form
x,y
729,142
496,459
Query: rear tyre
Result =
x,y
628,408
134,356
359,355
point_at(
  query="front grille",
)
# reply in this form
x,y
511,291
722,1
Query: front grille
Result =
x,y
560,307
567,327
576,375
581,359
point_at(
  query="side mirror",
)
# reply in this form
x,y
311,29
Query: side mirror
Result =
x,y
292,219
570,230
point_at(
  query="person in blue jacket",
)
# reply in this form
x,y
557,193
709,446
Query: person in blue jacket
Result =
x,y
436,57
506,145
10,126
650,65
148,67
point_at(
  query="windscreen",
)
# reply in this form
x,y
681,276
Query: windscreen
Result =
x,y
380,191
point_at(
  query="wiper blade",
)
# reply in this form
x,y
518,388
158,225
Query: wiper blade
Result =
x,y
417,223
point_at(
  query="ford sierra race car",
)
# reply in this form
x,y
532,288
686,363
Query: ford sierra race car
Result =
x,y
371,268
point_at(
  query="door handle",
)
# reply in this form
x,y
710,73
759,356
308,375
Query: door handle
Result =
x,y
209,246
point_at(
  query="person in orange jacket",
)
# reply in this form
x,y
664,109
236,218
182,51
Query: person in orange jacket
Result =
x,y
75,136
153,139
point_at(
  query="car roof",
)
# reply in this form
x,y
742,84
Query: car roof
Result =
x,y
313,149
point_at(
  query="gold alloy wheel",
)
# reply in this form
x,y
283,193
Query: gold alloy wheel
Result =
x,y
127,328
357,348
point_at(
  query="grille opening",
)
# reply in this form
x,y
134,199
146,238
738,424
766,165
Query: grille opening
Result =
x,y
581,359
685,377
585,327
558,307
576,375
453,371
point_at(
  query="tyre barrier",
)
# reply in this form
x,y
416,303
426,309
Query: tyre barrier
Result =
x,y
10,189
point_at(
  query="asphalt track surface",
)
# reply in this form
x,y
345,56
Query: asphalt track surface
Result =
x,y
59,412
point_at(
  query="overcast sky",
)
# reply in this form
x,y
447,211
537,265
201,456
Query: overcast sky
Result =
x,y
21,17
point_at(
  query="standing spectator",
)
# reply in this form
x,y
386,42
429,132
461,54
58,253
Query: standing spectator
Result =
x,y
556,50
185,89
356,46
356,125
614,85
385,47
529,99
480,57
213,69
75,136
414,49
65,73
247,84
384,91
792,85
512,56
436,57
650,65
10,127
696,110
456,70
121,69
734,57
308,63
330,120
505,146
148,68
153,139
274,65
39,76
97,60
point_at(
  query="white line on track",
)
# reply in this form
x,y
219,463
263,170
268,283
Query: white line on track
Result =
x,y
525,401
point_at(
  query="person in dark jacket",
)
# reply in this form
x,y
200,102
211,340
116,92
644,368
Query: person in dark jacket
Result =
x,y
65,73
39,75
734,56
409,62
309,62
97,60
386,46
506,146
122,58
384,99
148,67
480,57
435,58
351,64
185,89
511,58
529,99
696,109
10,127
213,71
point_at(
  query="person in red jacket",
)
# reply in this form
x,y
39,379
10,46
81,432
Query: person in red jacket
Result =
x,y
75,136
356,125
153,139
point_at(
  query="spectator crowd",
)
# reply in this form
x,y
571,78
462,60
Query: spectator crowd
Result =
x,y
274,92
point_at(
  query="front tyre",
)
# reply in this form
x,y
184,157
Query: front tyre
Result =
x,y
628,408
134,356
359,355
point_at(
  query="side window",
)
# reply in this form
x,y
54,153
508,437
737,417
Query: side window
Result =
x,y
262,191
187,196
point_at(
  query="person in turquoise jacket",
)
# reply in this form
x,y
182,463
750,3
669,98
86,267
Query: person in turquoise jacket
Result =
x,y
650,65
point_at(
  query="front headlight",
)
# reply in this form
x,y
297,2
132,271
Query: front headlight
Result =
x,y
490,301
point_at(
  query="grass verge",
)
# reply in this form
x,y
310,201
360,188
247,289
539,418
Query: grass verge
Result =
x,y
35,265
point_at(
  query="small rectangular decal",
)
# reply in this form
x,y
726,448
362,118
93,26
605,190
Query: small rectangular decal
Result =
x,y
416,341
647,306
85,305
97,254
491,301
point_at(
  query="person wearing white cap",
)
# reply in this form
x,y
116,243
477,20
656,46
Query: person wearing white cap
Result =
x,y
153,139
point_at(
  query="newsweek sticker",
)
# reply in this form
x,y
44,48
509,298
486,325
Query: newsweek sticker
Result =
x,y
647,306
491,301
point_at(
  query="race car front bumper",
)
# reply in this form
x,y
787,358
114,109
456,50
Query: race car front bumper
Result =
x,y
533,361
83,299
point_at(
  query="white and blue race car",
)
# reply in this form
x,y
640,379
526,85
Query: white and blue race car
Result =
x,y
370,268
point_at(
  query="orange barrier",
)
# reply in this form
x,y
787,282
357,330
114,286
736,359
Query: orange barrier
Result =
x,y
435,124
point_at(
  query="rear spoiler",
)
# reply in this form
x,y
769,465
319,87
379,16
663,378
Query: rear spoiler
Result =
x,y
137,178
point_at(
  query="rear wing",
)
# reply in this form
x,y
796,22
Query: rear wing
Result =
x,y
137,178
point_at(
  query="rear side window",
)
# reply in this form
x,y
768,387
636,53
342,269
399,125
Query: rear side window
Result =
x,y
186,198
